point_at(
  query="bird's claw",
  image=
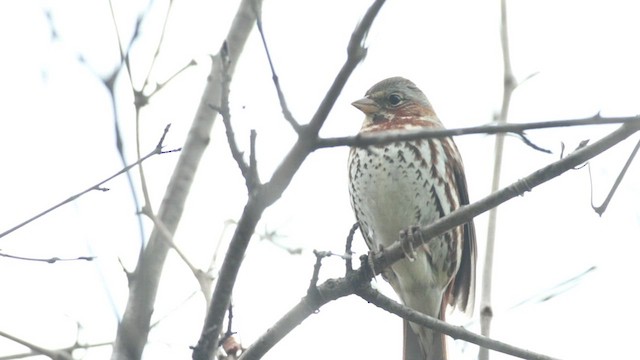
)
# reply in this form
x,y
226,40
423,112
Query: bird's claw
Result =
x,y
406,243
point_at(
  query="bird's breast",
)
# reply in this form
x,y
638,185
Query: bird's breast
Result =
x,y
392,188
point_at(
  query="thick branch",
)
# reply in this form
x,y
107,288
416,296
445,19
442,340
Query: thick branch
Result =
x,y
265,195
134,329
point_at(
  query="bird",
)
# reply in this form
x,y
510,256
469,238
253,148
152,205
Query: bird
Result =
x,y
405,184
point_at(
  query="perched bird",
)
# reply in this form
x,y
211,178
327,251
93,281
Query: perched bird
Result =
x,y
403,184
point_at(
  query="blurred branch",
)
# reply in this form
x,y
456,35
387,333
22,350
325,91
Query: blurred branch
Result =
x,y
156,151
265,195
486,311
601,209
110,85
555,290
133,330
158,45
38,350
365,139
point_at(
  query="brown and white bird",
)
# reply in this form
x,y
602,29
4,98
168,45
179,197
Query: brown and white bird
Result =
x,y
414,183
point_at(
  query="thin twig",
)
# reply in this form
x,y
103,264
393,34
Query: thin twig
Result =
x,y
49,260
98,186
529,143
39,350
224,111
276,82
156,54
601,209
347,246
161,85
364,140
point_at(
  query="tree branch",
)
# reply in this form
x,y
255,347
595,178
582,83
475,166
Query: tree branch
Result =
x,y
364,140
356,282
267,194
134,329
601,209
276,81
462,215
98,186
457,332
486,312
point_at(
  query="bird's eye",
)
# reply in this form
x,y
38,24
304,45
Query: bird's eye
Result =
x,y
394,99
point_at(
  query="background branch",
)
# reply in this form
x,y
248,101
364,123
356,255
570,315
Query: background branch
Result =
x,y
486,312
157,150
133,331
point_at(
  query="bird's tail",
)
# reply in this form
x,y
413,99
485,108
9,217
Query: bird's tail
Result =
x,y
421,343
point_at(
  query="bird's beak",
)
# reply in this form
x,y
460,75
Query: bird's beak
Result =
x,y
366,105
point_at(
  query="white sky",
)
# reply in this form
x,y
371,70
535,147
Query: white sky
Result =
x,y
56,138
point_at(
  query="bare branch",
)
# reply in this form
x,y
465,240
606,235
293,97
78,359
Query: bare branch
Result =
x,y
363,140
316,297
601,209
462,215
158,45
161,85
529,143
52,260
276,82
267,194
98,186
347,247
133,330
486,311
223,110
374,297
53,354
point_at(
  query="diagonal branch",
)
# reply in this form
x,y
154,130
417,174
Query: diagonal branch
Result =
x,y
457,332
267,194
601,209
276,81
157,150
357,282
464,214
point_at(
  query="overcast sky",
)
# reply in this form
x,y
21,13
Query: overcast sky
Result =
x,y
57,138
